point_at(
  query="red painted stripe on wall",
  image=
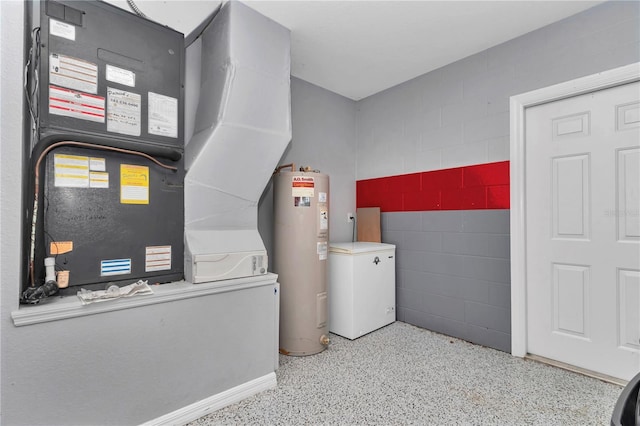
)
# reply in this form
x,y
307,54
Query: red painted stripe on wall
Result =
x,y
477,187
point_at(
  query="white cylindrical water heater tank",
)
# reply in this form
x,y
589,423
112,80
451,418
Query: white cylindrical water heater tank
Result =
x,y
301,237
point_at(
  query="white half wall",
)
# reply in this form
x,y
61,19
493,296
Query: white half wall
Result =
x,y
124,366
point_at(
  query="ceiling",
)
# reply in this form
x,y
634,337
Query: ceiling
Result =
x,y
358,48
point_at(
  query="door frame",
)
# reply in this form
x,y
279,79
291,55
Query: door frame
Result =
x,y
518,104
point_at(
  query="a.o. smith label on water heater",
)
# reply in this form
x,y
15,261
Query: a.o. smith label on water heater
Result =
x,y
302,186
157,258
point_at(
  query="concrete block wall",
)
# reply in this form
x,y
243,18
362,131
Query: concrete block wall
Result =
x,y
453,265
451,231
453,272
459,114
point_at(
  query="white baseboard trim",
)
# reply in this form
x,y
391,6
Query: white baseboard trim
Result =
x,y
213,403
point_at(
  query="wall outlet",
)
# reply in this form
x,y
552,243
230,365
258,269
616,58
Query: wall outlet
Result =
x,y
350,217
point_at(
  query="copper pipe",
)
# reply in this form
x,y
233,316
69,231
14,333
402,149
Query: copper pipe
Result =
x,y
284,166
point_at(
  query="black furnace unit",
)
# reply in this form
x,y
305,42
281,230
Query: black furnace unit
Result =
x,y
106,97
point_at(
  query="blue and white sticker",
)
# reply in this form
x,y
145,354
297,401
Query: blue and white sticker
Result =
x,y
115,267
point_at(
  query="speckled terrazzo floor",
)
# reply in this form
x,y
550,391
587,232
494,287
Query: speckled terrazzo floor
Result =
x,y
403,374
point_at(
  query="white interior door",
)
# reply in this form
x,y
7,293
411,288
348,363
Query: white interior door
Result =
x,y
583,230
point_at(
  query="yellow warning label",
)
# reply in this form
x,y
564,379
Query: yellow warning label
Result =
x,y
134,184
78,158
60,247
71,171
73,166
98,180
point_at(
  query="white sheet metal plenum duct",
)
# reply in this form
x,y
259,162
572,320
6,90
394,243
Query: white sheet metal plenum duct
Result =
x,y
237,125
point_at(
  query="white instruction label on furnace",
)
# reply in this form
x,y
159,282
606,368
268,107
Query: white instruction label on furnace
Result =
x,y
62,29
120,75
302,186
75,104
97,164
322,251
163,115
98,180
115,267
324,220
71,171
322,197
157,258
73,73
123,112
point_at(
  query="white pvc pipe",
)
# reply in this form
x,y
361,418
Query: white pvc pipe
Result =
x,y
50,269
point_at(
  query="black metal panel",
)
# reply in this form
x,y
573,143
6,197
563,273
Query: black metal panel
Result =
x,y
101,227
145,61
105,35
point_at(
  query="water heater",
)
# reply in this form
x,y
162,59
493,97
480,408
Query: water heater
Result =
x,y
301,237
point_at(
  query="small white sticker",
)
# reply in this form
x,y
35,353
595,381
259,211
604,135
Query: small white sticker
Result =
x,y
163,115
302,201
97,164
62,29
120,75
324,220
73,73
123,112
98,180
63,279
322,197
322,251
157,258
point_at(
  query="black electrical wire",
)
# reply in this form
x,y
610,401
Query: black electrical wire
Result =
x,y
33,59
